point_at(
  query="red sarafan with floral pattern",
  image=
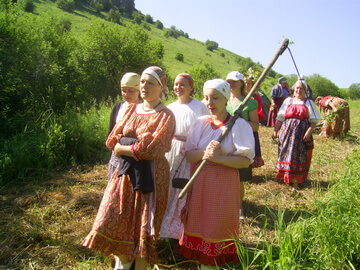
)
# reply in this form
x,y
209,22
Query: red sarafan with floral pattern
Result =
x,y
128,222
294,154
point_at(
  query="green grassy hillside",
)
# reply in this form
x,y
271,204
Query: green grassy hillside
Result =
x,y
195,52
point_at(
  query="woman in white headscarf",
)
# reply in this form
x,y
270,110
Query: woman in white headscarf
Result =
x,y
186,110
211,214
134,203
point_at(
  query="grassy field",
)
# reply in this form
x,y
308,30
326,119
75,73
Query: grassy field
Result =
x,y
44,222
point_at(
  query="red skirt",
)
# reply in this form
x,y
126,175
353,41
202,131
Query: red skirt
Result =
x,y
211,216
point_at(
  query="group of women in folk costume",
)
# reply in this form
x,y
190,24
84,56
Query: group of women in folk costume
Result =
x,y
154,144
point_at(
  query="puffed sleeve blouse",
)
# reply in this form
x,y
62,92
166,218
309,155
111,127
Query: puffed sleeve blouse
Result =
x,y
239,141
313,110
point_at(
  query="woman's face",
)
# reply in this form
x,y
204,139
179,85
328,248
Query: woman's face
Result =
x,y
182,87
299,91
150,88
215,101
249,84
130,94
235,85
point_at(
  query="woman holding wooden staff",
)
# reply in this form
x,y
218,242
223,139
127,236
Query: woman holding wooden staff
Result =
x,y
211,213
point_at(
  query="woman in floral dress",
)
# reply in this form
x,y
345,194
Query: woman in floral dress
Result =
x,y
128,221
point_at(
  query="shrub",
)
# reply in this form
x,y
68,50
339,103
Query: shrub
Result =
x,y
179,57
146,26
114,16
138,18
66,23
211,45
98,7
200,75
66,5
322,86
149,19
52,142
159,25
28,5
354,91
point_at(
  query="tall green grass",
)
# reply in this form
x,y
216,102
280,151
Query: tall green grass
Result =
x,y
326,238
54,142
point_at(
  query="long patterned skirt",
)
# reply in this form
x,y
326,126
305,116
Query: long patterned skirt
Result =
x,y
211,217
172,227
128,222
294,154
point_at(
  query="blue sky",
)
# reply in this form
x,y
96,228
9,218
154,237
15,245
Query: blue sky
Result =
x,y
325,32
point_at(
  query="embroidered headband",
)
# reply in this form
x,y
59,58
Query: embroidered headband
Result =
x,y
153,73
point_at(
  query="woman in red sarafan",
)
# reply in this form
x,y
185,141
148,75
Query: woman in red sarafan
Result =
x,y
212,211
296,120
129,219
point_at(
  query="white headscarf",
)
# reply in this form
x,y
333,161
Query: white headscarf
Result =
x,y
219,84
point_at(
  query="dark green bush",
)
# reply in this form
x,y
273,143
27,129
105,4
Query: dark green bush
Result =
x,y
159,25
114,16
28,5
99,7
211,45
201,74
52,142
354,91
66,5
149,19
179,57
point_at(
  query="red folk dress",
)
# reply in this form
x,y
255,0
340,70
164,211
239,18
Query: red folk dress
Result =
x,y
294,154
211,213
128,222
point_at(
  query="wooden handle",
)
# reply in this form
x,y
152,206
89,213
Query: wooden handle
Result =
x,y
237,114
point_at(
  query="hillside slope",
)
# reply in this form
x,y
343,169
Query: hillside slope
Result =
x,y
194,52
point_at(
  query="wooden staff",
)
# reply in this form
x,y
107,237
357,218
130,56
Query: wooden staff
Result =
x,y
237,114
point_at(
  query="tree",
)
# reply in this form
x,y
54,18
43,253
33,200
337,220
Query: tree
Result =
x,y
211,45
66,5
114,16
179,57
149,19
172,32
354,91
159,25
137,17
128,5
108,52
322,86
201,74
